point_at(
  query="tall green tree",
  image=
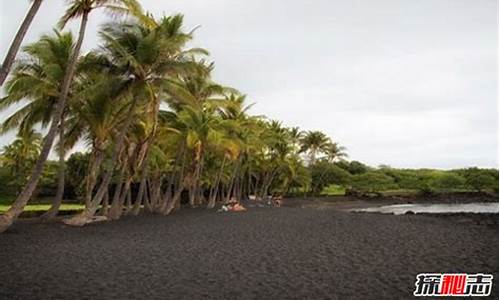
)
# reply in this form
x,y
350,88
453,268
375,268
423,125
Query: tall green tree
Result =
x,y
77,9
314,143
36,82
18,39
19,156
146,55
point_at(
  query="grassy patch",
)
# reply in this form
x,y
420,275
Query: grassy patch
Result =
x,y
334,190
399,192
44,207
6,201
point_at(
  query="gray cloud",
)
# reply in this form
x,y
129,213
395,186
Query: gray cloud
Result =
x,y
405,83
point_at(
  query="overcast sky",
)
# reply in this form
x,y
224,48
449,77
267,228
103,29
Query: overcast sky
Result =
x,y
400,82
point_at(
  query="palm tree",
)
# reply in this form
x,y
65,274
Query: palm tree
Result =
x,y
240,129
314,142
52,212
20,156
77,9
149,113
293,173
18,39
201,129
38,80
335,152
197,97
296,136
146,55
94,118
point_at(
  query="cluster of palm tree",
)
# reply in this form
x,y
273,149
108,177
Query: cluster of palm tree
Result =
x,y
19,157
151,115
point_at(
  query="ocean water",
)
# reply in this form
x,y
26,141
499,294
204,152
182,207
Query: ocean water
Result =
x,y
400,209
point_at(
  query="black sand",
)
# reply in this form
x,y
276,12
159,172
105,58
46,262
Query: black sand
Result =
x,y
286,253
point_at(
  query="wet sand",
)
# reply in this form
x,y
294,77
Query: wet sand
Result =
x,y
264,253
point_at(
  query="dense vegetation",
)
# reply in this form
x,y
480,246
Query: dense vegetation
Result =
x,y
158,129
357,178
323,178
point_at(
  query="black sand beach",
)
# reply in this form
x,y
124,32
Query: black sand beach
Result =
x,y
280,253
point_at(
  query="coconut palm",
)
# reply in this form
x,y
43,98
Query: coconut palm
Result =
x,y
197,98
201,130
335,152
77,9
292,173
94,118
38,79
21,154
36,82
146,55
18,39
296,136
150,114
241,129
314,142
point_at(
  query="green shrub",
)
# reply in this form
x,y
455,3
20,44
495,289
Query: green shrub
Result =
x,y
372,182
485,180
447,181
354,167
324,173
482,183
76,171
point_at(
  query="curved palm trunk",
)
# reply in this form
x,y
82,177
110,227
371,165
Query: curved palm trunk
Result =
x,y
138,201
146,201
200,195
192,186
312,157
167,196
95,161
156,193
270,182
233,179
88,213
213,196
56,204
175,203
136,207
117,210
18,206
105,205
116,207
124,179
128,205
18,39
127,196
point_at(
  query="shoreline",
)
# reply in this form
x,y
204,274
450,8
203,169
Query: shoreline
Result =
x,y
348,202
356,202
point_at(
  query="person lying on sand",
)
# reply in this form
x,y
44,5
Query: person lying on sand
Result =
x,y
233,205
238,207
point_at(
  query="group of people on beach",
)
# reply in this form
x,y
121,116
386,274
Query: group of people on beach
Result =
x,y
235,206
